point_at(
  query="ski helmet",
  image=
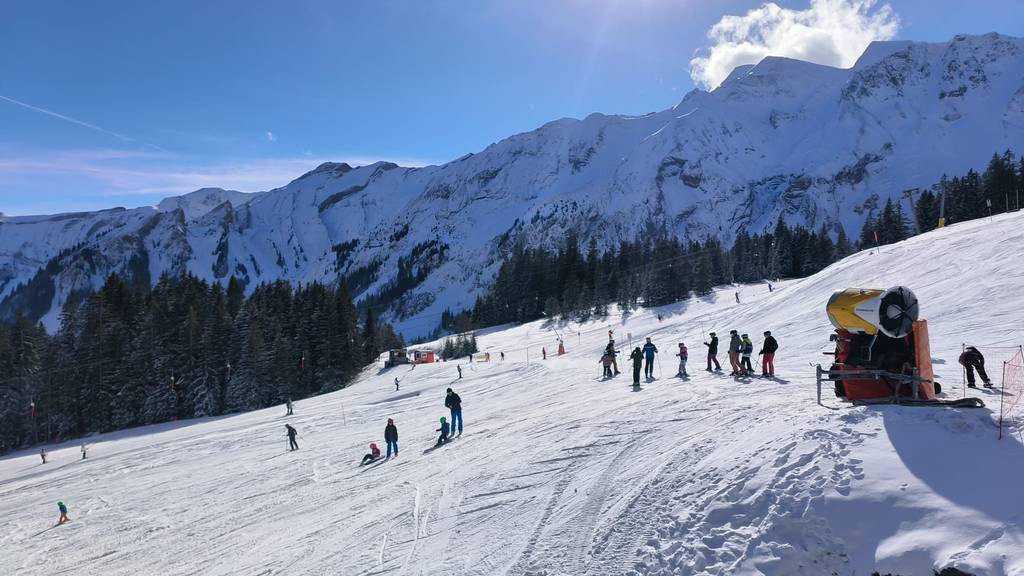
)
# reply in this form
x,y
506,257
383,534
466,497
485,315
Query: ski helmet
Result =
x,y
442,419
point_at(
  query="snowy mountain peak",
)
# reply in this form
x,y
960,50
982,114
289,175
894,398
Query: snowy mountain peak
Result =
x,y
816,145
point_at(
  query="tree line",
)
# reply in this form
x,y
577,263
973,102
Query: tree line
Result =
x,y
128,355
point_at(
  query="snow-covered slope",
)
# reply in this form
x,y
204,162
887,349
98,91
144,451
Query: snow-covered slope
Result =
x,y
819,145
559,473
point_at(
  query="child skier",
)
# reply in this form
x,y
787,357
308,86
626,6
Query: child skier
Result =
x,y
443,438
292,433
748,349
610,350
606,361
373,455
63,513
683,355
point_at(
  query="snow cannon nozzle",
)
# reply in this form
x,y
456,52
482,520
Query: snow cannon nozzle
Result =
x,y
870,311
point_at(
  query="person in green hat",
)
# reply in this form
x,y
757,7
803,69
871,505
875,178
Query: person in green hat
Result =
x,y
443,439
63,513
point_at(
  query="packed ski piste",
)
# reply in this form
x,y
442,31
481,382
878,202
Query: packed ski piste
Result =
x,y
841,424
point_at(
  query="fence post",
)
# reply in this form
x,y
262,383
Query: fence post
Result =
x,y
1002,396
963,370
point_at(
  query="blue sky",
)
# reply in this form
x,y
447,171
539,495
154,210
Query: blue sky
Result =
x,y
121,103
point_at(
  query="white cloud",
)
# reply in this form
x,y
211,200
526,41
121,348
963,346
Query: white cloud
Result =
x,y
831,32
270,136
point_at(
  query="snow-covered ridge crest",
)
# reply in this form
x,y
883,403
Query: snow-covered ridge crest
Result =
x,y
816,145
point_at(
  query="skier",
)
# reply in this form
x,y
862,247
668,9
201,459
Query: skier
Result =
x,y
459,367
713,352
972,360
748,349
649,351
544,352
443,438
373,455
396,384
770,287
42,454
454,403
606,360
63,513
767,354
735,347
292,433
683,354
502,356
288,405
737,297
610,351
611,337
391,436
83,451
638,359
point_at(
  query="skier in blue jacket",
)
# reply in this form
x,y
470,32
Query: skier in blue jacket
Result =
x,y
649,351
443,438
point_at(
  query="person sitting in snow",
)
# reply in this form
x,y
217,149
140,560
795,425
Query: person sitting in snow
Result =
x,y
443,438
683,355
373,455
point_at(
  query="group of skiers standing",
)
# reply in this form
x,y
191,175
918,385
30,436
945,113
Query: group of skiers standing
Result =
x,y
452,401
741,347
740,350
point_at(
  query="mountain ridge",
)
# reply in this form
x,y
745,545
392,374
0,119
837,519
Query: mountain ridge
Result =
x,y
816,145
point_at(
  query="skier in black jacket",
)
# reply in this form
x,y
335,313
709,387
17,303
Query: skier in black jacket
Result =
x,y
972,360
454,403
713,352
391,436
292,433
638,361
768,354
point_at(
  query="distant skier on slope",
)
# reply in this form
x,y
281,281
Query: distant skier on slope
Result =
x,y
83,451
638,360
544,352
396,384
288,407
767,354
972,359
610,351
292,433
373,455
443,438
748,349
649,351
453,402
683,355
391,436
735,347
459,368
713,352
42,454
737,297
63,513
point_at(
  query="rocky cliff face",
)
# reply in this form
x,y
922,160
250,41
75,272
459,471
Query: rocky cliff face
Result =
x,y
817,145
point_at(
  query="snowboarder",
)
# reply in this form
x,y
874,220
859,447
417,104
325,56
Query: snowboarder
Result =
x,y
683,355
713,352
972,360
443,438
638,359
391,436
83,451
454,403
649,351
373,455
292,433
288,405
606,361
396,384
737,297
735,347
748,349
610,351
63,513
42,454
767,354
459,368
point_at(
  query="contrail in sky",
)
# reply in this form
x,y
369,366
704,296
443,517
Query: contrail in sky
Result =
x,y
120,137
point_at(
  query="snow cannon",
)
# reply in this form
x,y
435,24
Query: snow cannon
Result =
x,y
881,347
866,311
